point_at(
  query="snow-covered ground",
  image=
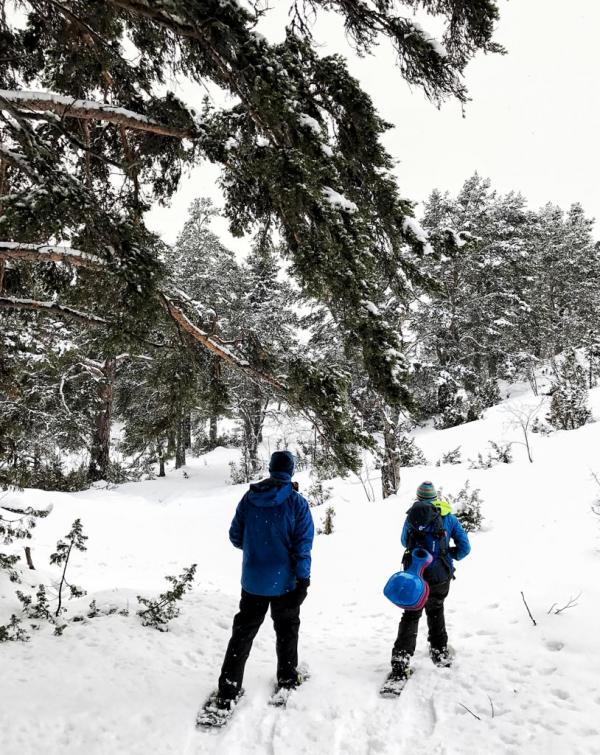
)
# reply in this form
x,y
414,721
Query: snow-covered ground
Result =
x,y
112,686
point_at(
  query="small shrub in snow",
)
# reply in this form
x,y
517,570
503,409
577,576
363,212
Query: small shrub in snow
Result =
x,y
540,427
74,540
16,524
7,563
461,408
94,611
467,507
409,454
40,609
568,407
13,631
453,456
327,527
157,613
500,454
318,494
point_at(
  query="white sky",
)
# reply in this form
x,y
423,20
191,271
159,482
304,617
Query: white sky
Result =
x,y
533,124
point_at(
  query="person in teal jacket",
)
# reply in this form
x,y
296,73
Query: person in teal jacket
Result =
x,y
429,524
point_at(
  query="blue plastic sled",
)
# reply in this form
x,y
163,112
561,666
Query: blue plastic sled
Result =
x,y
407,589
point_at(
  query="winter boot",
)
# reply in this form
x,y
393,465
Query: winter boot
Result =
x,y
398,676
441,657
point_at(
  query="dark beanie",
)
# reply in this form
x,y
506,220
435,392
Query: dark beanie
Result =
x,y
282,462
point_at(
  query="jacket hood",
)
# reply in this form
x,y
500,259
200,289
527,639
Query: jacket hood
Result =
x,y
269,492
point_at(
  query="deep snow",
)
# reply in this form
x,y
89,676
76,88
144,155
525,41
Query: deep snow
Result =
x,y
112,686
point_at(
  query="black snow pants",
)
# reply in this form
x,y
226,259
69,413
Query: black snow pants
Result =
x,y
406,641
285,612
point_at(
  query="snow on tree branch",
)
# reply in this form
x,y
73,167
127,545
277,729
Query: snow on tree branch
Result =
x,y
41,252
68,107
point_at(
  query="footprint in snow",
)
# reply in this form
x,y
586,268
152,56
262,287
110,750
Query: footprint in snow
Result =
x,y
554,646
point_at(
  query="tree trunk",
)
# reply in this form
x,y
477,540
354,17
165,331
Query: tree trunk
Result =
x,y
161,460
254,414
390,468
100,451
180,443
187,430
213,430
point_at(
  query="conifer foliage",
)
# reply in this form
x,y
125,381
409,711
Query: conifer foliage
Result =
x,y
89,140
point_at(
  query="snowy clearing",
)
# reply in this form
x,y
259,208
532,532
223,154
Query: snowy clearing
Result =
x,y
113,686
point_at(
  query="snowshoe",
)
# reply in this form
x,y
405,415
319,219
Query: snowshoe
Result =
x,y
217,711
281,692
441,657
395,682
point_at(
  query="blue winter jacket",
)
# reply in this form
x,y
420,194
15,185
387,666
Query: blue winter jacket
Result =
x,y
437,571
274,528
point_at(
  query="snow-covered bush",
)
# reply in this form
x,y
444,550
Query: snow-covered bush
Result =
x,y
157,613
318,494
453,456
40,608
501,453
13,631
467,507
461,407
409,454
327,524
16,524
569,405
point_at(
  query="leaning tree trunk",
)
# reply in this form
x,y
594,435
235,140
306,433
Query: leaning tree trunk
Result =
x,y
390,468
100,451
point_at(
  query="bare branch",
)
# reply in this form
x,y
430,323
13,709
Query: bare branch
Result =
x,y
470,711
528,611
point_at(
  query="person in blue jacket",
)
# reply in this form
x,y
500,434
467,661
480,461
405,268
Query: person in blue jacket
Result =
x,y
429,524
273,527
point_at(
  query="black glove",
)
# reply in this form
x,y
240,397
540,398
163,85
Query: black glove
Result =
x,y
452,550
301,591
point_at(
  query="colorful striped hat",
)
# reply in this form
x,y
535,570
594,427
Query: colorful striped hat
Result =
x,y
426,492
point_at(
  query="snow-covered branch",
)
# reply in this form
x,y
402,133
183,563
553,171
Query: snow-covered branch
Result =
x,y
216,348
14,250
68,107
50,307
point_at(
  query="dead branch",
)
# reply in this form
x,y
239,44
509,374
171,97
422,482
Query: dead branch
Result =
x,y
470,711
28,557
528,611
571,603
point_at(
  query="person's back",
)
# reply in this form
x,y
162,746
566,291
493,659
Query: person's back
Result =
x,y
430,525
273,526
274,529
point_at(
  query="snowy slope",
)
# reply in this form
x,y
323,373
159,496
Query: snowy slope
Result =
x,y
112,686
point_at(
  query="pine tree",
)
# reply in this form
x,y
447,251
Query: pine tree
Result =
x,y
300,149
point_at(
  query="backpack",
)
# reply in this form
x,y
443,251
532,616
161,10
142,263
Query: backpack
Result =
x,y
423,515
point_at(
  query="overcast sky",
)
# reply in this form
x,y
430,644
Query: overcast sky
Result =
x,y
533,124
